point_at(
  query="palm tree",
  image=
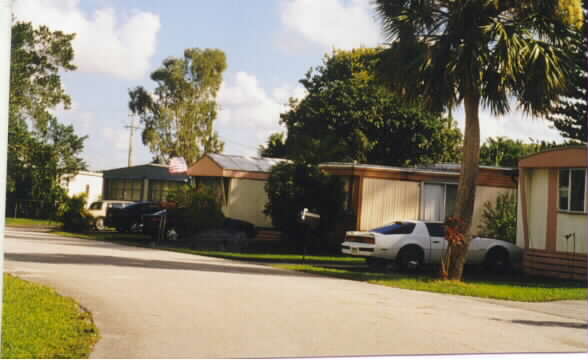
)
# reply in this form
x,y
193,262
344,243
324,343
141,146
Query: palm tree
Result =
x,y
479,53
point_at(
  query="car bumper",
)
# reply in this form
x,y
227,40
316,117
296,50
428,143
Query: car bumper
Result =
x,y
357,249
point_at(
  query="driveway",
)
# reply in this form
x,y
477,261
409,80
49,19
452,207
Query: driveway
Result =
x,y
158,304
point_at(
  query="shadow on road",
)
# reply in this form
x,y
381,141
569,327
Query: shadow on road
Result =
x,y
148,264
571,325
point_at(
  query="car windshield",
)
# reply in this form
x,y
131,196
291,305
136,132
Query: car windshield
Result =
x,y
96,206
396,228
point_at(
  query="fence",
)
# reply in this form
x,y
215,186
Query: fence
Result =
x,y
33,209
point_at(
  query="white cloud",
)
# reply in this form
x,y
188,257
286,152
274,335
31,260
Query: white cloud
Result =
x,y
249,114
104,42
332,23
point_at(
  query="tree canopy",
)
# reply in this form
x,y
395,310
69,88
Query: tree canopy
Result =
x,y
179,115
37,56
569,113
479,53
275,146
502,151
40,149
348,115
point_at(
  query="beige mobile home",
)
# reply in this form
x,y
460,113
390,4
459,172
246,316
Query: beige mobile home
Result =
x,y
552,220
381,194
242,180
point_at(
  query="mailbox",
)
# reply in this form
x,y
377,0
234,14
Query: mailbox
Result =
x,y
309,218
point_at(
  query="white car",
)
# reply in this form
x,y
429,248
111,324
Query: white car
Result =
x,y
413,243
99,210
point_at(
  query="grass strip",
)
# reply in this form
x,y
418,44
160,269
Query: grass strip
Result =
x,y
25,222
39,323
272,257
104,236
538,290
144,240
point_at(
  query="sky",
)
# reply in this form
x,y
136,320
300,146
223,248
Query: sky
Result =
x,y
270,45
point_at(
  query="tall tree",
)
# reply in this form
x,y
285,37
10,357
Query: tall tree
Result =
x,y
570,113
40,149
179,115
347,115
479,53
37,56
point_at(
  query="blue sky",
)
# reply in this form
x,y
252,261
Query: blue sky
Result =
x,y
270,44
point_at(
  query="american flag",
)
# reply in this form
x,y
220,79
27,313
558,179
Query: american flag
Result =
x,y
177,165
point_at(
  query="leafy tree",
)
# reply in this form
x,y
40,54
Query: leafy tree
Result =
x,y
37,56
275,147
479,53
570,113
347,115
179,115
502,151
499,221
39,161
40,149
292,187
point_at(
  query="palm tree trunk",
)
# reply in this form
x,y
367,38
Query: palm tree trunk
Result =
x,y
466,191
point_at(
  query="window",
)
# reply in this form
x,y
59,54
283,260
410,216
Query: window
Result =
x,y
572,190
438,201
397,228
96,206
124,189
160,190
436,229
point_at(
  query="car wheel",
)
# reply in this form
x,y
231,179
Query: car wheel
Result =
x,y
99,224
375,264
171,234
410,259
497,261
136,227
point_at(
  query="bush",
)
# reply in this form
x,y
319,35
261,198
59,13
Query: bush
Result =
x,y
72,212
199,209
292,187
499,221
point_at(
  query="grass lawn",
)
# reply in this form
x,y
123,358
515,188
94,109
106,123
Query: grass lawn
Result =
x,y
273,257
31,222
507,288
269,257
39,323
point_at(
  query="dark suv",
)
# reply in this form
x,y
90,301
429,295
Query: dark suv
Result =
x,y
129,218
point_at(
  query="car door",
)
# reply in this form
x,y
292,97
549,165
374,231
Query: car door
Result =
x,y
437,241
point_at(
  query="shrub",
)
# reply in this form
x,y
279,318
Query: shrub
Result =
x,y
292,187
72,212
499,220
199,209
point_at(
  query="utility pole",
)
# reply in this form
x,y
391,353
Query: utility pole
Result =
x,y
132,127
5,39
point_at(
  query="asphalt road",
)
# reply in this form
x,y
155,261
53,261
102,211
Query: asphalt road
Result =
x,y
157,304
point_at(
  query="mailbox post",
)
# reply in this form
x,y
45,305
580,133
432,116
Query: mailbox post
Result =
x,y
312,221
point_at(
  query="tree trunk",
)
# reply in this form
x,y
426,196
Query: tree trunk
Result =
x,y
466,191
